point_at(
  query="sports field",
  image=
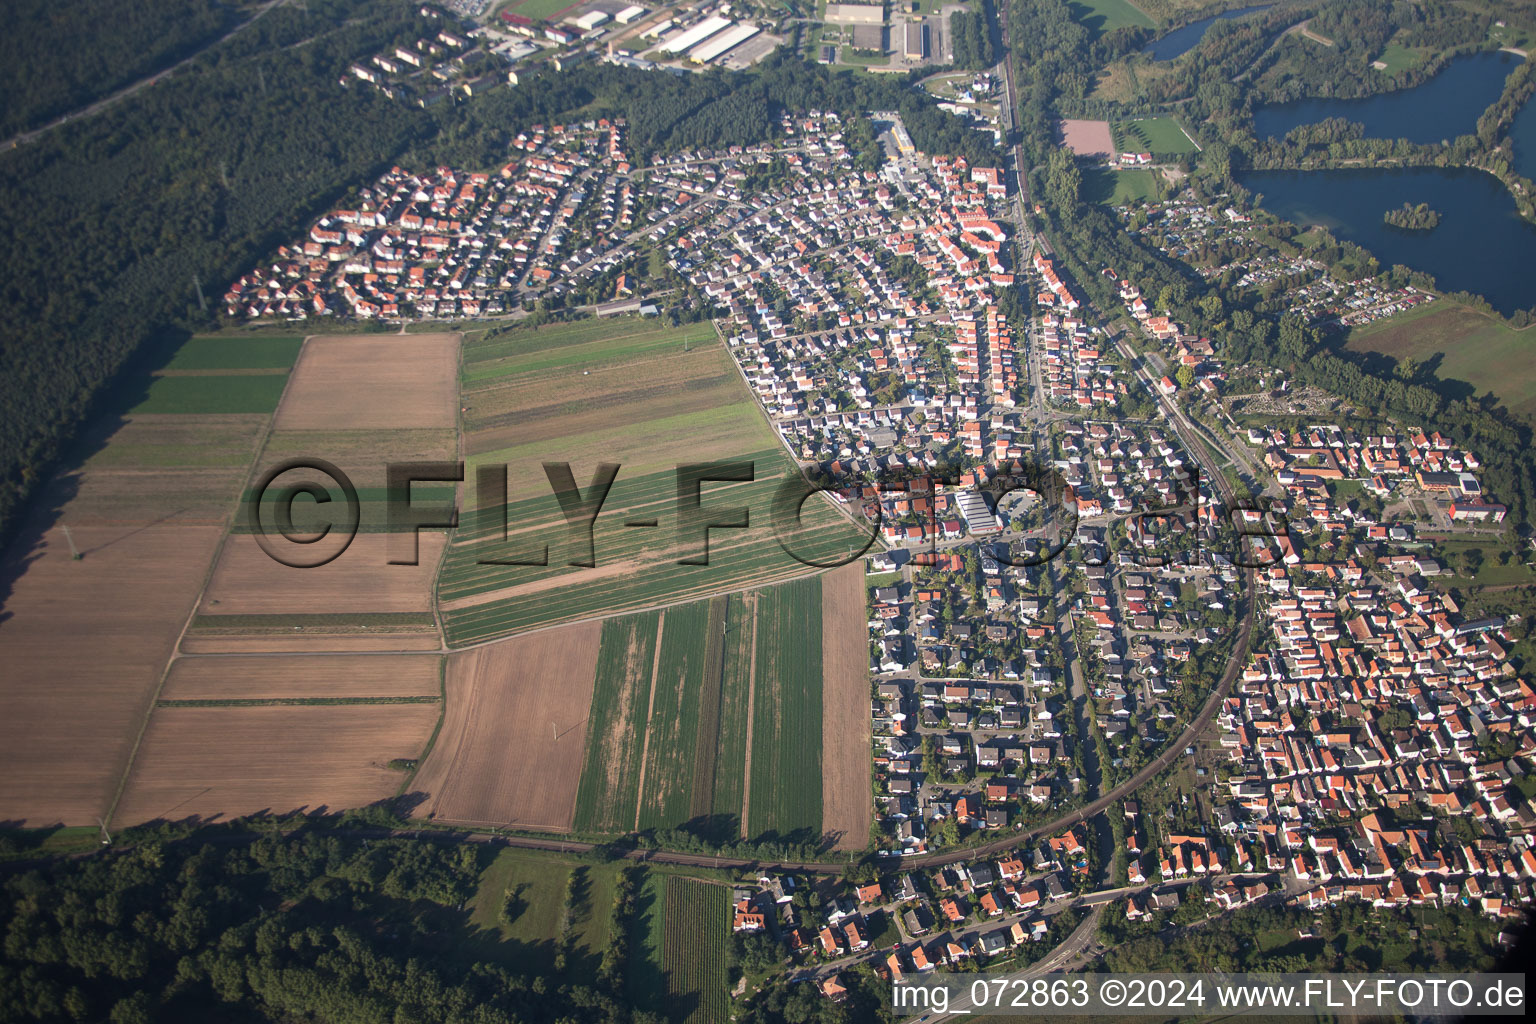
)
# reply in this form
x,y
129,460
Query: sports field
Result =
x,y
1151,135
1102,16
645,399
1465,344
1113,187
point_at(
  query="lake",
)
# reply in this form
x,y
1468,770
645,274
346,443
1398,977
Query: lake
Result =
x,y
1482,245
1442,108
1181,40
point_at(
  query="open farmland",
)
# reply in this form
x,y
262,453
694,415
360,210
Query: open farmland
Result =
x,y
1470,346
646,398
608,797
696,949
227,761
301,677
510,749
668,741
845,695
785,780
360,403
85,642
680,710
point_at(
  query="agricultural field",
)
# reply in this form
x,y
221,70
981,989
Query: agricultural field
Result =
x,y
624,392
213,762
785,774
510,749
300,677
845,727
681,709
359,402
609,793
675,726
694,956
1461,344
1101,16
213,393
85,640
221,352
1151,135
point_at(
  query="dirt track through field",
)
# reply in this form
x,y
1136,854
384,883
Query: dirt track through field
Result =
x,y
650,709
845,724
511,746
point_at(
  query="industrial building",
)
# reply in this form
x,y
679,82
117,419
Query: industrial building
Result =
x,y
725,41
855,14
692,37
916,47
629,14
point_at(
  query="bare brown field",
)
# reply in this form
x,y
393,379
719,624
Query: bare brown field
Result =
x,y
223,762
83,644
1087,138
514,731
373,382
309,642
249,582
845,727
358,675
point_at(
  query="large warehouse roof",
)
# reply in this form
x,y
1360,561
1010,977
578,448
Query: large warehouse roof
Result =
x,y
696,35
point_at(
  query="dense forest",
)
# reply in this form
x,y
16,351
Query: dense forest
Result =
x,y
114,223
57,55
236,927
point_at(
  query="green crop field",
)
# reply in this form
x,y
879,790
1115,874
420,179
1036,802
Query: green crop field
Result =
x,y
1151,135
1102,16
694,956
609,791
673,744
647,398
730,782
786,712
214,393
575,345
1465,345
226,352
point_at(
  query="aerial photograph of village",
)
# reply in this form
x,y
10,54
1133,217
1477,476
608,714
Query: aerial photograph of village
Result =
x,y
766,511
